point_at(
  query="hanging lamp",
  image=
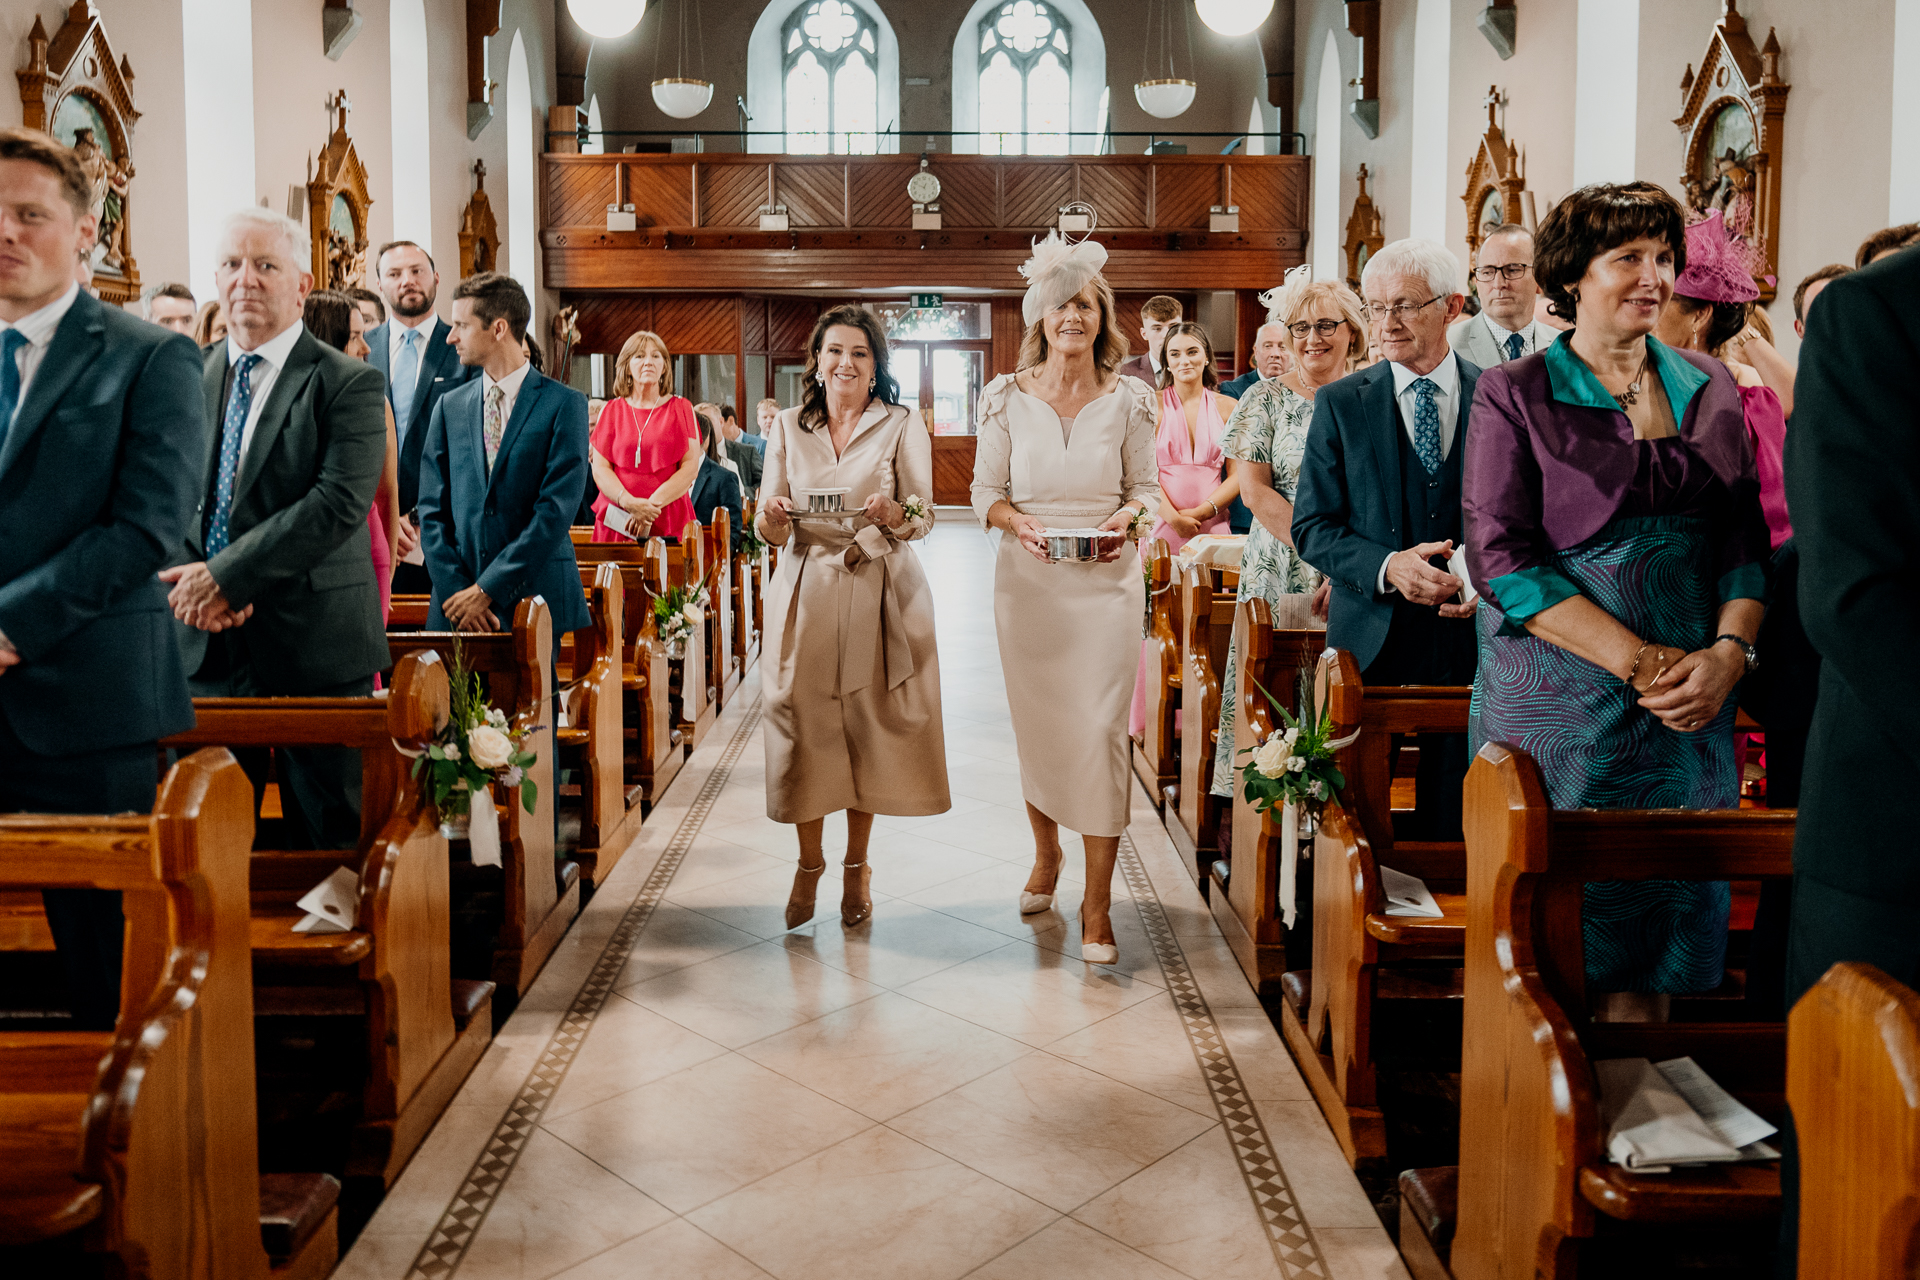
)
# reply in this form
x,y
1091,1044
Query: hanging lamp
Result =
x,y
1162,91
1233,17
607,19
680,95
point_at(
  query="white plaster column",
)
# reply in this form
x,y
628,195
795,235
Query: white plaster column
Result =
x,y
412,153
523,147
1430,169
1328,116
1606,90
1903,187
218,46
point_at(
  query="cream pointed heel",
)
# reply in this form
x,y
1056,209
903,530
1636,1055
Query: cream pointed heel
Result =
x,y
1095,953
1034,903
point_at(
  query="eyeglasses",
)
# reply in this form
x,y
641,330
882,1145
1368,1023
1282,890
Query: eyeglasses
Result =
x,y
1325,328
1401,311
1512,271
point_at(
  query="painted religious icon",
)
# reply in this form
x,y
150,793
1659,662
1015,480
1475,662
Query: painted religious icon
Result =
x,y
77,121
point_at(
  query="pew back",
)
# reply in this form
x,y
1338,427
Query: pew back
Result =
x,y
659,750
1206,605
1156,754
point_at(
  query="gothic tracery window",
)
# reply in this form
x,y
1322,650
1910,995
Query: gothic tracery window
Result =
x,y
1026,79
832,86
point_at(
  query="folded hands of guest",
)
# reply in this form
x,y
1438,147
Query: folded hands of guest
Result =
x,y
196,599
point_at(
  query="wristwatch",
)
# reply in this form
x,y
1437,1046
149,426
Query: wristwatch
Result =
x,y
1747,651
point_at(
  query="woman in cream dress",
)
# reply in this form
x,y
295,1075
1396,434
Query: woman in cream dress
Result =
x,y
848,669
1067,443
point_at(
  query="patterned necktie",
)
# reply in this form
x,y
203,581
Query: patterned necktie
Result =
x,y
495,425
10,343
1515,345
1426,423
406,376
232,430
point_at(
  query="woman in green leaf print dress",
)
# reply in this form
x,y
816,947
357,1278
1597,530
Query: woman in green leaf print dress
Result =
x,y
1327,333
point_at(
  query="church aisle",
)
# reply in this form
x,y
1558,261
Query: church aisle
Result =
x,y
691,1090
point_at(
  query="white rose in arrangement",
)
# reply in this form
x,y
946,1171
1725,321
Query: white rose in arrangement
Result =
x,y
491,748
1270,757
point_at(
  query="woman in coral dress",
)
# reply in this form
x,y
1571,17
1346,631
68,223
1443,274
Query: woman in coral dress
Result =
x,y
645,448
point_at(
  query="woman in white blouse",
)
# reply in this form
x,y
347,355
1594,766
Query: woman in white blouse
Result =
x,y
1067,443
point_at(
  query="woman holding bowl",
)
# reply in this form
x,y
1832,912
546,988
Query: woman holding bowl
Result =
x,y
1614,531
1065,442
849,672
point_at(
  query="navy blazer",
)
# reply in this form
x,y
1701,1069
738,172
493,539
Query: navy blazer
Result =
x,y
714,487
1347,508
440,372
509,530
98,477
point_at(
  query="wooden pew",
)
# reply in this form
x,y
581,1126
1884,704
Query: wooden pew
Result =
x,y
541,894
1156,753
1853,1078
424,1032
139,1144
723,664
1191,812
1536,1190
746,603
1245,891
692,674
593,742
659,748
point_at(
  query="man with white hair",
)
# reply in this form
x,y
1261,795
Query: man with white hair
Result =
x,y
1378,504
1505,328
277,595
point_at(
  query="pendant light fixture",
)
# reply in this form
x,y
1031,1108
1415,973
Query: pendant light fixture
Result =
x,y
1162,91
1233,17
680,95
607,19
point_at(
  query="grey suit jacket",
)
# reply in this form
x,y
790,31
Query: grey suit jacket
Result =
x,y
299,551
97,477
1474,341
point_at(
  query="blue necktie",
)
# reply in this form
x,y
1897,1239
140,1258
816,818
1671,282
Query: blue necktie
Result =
x,y
1426,424
232,431
1515,345
406,376
10,343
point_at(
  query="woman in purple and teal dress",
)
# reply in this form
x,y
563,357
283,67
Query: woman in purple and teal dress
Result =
x,y
1615,533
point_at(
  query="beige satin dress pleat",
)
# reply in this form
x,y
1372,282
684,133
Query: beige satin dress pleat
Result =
x,y
1069,633
849,673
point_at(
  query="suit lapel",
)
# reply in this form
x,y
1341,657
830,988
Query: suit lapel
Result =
x,y
377,339
432,364
288,383
1384,411
77,343
523,408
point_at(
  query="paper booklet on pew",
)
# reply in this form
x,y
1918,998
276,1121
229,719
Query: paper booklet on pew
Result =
x,y
1407,895
330,904
1660,1115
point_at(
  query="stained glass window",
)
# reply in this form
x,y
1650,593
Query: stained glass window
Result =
x,y
832,84
1026,79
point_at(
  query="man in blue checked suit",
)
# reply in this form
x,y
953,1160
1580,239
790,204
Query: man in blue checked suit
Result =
x,y
501,472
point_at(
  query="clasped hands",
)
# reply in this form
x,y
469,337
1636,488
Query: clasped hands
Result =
x,y
196,599
468,610
1686,690
644,512
1409,573
1032,532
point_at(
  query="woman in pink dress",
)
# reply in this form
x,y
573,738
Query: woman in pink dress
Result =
x,y
645,448
1195,494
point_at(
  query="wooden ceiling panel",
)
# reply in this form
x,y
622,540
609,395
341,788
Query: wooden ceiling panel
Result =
x,y
969,195
879,194
731,194
790,323
1182,195
578,196
1269,198
662,195
1119,196
697,324
1034,194
608,320
753,324
815,194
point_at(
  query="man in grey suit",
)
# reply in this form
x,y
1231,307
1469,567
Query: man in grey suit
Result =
x,y
410,350
1505,328
100,428
278,595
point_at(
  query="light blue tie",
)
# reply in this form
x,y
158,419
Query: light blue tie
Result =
x,y
1515,345
406,376
1426,423
232,431
10,343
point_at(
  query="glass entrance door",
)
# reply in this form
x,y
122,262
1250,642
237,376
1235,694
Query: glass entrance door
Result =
x,y
943,380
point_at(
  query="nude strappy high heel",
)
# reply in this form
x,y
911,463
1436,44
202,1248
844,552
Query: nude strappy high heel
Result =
x,y
852,910
806,882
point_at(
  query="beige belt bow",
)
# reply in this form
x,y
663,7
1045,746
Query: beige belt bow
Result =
x,y
869,610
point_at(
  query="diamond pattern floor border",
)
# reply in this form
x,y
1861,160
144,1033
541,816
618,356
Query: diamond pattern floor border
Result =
x,y
1294,1247
447,1246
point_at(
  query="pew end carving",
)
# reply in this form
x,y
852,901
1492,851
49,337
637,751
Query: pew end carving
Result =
x,y
593,740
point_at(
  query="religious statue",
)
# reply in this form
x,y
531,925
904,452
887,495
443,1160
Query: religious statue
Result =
x,y
110,180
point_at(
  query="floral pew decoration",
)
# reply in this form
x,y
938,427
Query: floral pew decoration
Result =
x,y
1293,770
676,612
473,750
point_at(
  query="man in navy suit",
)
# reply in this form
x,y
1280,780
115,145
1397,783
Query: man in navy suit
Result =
x,y
500,474
410,350
1378,506
101,431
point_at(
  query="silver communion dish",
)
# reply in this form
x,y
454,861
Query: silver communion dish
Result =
x,y
1078,546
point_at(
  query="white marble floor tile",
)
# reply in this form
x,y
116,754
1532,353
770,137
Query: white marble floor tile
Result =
x,y
675,1250
1144,1046
1029,993
901,942
1191,1211
676,937
1071,1249
627,1047
558,1208
749,994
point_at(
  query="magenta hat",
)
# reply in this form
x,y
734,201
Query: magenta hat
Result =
x,y
1716,267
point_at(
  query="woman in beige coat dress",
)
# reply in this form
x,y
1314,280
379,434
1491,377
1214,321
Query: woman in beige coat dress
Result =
x,y
1067,443
849,673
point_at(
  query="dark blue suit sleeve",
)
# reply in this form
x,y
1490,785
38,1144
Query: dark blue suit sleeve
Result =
x,y
438,543
1323,507
162,447
546,535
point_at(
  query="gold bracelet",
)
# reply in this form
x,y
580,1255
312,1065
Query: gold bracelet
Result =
x,y
1635,669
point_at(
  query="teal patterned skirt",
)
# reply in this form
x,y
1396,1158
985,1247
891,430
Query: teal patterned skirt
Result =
x,y
1599,751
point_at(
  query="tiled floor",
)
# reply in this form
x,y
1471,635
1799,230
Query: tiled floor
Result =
x,y
691,1090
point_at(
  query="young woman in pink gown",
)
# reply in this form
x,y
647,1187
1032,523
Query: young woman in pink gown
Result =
x,y
1187,450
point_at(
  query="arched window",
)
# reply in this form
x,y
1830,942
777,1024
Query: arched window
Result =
x,y
1026,79
830,55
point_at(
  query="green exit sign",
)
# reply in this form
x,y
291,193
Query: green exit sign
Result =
x,y
926,301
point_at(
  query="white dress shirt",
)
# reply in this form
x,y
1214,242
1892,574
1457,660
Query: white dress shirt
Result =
x,y
38,327
273,355
1445,377
1500,335
510,392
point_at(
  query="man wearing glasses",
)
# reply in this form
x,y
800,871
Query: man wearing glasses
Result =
x,y
1505,328
1378,506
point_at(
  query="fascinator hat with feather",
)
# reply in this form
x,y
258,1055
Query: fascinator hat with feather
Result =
x,y
1058,270
1285,300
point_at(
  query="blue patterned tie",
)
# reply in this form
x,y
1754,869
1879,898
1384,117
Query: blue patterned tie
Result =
x,y
406,376
232,430
10,343
1426,424
1515,345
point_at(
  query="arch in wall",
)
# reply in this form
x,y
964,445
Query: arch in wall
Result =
x,y
1328,118
1089,74
766,88
412,170
1429,169
523,239
1256,125
595,145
